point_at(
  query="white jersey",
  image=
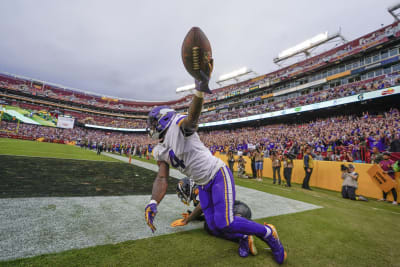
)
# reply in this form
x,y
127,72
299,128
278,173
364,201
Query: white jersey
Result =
x,y
187,154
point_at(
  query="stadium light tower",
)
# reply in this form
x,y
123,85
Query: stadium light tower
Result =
x,y
235,75
392,11
306,46
186,88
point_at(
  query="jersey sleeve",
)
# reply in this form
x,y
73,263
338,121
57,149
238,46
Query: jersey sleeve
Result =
x,y
160,153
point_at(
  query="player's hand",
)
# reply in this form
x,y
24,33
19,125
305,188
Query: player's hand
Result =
x,y
150,213
185,215
202,84
179,222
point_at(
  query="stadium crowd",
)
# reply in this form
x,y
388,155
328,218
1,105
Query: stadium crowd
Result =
x,y
316,97
342,138
310,98
35,88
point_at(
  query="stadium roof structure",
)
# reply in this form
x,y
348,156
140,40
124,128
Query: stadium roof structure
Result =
x,y
392,11
306,46
235,75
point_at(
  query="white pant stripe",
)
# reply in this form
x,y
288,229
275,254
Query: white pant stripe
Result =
x,y
229,193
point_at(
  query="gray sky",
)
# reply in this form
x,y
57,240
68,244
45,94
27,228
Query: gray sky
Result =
x,y
132,48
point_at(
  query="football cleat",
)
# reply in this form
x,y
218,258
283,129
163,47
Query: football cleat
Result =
x,y
246,246
275,244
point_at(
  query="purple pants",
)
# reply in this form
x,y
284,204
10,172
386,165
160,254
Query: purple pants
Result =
x,y
217,199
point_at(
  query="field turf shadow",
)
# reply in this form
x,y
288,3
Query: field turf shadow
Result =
x,y
50,177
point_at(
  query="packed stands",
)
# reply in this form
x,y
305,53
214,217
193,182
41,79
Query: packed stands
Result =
x,y
340,138
315,97
366,64
333,137
322,68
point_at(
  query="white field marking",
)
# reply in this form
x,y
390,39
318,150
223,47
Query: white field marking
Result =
x,y
398,213
34,226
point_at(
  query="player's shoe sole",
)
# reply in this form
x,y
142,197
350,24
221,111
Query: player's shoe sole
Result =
x,y
252,246
276,245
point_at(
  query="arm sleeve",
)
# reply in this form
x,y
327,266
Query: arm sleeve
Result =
x,y
160,153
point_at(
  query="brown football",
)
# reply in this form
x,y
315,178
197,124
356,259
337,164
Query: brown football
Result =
x,y
196,53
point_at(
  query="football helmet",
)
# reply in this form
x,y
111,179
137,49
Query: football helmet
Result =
x,y
241,209
159,120
187,191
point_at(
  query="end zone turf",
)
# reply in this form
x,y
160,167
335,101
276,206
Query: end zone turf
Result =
x,y
342,233
47,150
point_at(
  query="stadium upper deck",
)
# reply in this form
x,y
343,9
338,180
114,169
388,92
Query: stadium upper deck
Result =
x,y
370,62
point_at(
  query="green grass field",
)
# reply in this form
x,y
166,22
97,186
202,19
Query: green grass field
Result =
x,y
341,233
47,150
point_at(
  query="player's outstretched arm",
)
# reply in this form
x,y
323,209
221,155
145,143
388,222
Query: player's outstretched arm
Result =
x,y
190,123
160,186
161,182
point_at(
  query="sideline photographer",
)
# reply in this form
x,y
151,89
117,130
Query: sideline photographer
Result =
x,y
350,184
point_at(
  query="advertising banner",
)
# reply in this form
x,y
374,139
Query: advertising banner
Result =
x,y
65,122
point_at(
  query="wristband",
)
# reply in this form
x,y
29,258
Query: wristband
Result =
x,y
153,202
199,94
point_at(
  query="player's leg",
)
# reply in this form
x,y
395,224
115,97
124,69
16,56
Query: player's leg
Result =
x,y
246,244
223,198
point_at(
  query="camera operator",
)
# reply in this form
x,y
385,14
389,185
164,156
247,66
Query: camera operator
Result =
x,y
350,184
241,167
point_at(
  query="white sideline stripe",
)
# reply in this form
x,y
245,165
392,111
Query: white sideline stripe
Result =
x,y
35,226
397,213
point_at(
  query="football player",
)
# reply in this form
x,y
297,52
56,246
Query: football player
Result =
x,y
180,146
188,192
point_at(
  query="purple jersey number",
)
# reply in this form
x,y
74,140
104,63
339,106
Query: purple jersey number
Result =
x,y
175,162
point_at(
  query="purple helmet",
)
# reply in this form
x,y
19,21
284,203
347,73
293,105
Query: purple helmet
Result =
x,y
159,120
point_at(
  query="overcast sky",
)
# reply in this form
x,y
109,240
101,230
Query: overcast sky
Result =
x,y
132,48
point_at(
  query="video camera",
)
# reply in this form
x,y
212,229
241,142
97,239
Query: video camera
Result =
x,y
343,168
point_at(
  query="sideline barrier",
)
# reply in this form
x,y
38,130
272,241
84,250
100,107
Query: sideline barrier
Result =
x,y
326,175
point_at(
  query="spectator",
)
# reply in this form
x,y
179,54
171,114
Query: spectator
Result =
x,y
287,169
308,168
253,163
259,157
395,144
276,167
318,156
376,156
231,160
387,167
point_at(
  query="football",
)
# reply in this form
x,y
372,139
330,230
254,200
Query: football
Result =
x,y
196,53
